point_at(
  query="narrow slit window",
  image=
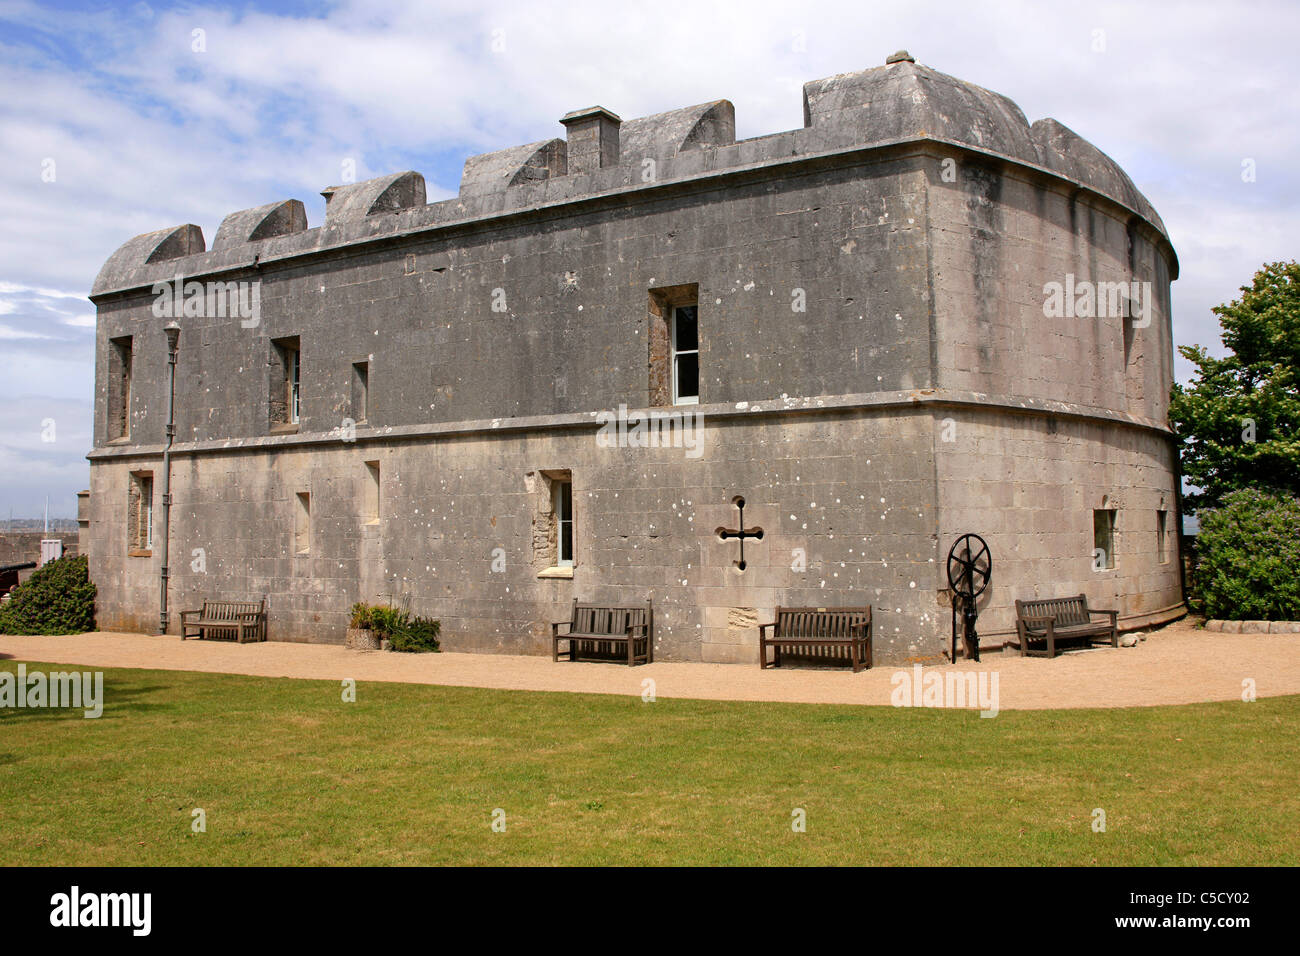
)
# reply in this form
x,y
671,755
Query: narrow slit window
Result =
x,y
564,523
302,524
295,386
120,355
1162,536
372,492
1103,539
686,355
360,391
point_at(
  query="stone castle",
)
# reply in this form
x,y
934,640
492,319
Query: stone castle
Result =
x,y
855,329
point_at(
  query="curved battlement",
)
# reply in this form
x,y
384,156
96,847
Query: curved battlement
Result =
x,y
163,245
492,172
382,194
905,101
262,222
880,107
676,131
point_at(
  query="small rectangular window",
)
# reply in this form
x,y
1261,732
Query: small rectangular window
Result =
x,y
120,355
564,523
371,501
285,398
1162,539
360,391
139,519
553,522
1103,539
686,355
664,343
302,524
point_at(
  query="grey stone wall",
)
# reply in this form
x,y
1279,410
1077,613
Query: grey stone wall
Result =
x,y
645,526
856,505
998,236
19,547
1028,484
575,331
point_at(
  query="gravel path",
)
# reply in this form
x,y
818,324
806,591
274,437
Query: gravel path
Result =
x,y
1175,665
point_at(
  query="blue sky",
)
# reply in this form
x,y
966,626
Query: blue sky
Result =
x,y
116,120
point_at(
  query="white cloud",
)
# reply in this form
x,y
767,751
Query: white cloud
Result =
x,y
8,333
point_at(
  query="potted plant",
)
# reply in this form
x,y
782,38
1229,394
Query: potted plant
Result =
x,y
387,622
362,634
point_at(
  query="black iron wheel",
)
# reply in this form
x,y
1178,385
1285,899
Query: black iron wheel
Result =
x,y
970,565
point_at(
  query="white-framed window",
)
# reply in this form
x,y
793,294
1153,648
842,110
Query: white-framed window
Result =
x,y
686,355
563,505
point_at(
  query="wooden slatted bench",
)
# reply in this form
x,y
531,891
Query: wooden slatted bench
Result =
x,y
240,621
1053,620
602,632
824,635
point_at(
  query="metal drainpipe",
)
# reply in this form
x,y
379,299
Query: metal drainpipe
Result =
x,y
173,331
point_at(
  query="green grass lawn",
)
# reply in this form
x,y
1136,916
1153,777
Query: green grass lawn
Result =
x,y
290,774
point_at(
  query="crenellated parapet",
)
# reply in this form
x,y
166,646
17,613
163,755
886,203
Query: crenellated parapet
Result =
x,y
602,155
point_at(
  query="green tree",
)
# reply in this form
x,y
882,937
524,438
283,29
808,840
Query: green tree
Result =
x,y
1249,548
1239,420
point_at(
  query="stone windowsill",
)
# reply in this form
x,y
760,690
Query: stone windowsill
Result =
x,y
563,573
283,430
139,553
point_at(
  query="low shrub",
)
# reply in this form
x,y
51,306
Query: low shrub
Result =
x,y
387,620
59,598
419,635
1248,552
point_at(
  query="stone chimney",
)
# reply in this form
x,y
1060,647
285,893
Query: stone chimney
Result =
x,y
593,139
